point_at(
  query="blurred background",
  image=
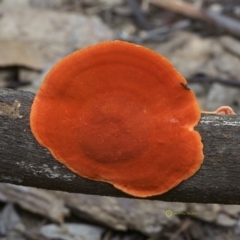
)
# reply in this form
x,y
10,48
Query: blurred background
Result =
x,y
199,37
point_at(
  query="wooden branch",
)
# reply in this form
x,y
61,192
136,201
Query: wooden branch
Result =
x,y
24,162
231,25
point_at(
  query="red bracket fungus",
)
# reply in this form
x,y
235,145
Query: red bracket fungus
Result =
x,y
223,110
120,113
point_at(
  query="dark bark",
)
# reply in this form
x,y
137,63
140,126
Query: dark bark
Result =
x,y
24,162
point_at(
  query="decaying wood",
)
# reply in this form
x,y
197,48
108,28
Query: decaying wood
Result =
x,y
38,201
24,162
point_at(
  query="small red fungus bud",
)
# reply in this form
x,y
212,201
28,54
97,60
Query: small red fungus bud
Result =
x,y
225,110
115,112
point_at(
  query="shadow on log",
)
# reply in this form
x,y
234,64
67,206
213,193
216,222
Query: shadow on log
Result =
x,y
24,162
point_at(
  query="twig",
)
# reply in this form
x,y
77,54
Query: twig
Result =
x,y
231,25
205,79
180,7
138,14
157,34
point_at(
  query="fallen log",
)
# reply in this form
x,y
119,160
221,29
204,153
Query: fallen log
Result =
x,y
24,162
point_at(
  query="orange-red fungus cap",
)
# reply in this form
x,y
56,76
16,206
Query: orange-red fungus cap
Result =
x,y
120,113
225,110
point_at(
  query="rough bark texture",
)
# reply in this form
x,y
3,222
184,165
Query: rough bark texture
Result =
x,y
24,162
